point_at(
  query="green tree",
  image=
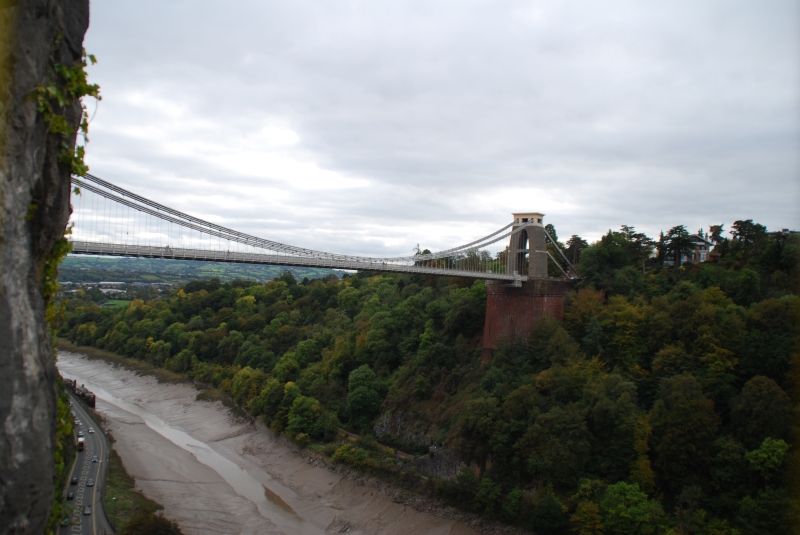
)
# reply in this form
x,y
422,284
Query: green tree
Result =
x,y
246,305
689,517
487,499
229,346
715,233
268,400
599,262
640,246
303,415
290,392
363,400
612,421
557,446
476,427
678,243
348,301
749,239
773,330
466,316
575,245
768,458
361,376
626,510
550,515
592,342
363,405
511,505
493,380
767,511
326,427
684,429
762,410
586,519
729,477
745,289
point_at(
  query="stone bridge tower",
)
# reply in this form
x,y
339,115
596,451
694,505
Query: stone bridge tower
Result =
x,y
512,311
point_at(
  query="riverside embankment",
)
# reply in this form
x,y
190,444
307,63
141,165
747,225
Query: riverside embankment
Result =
x,y
215,473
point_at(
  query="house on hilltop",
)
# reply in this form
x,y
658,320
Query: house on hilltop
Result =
x,y
701,246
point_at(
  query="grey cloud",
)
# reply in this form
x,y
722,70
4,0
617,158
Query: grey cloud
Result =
x,y
618,113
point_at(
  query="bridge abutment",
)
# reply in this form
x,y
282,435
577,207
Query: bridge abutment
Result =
x,y
512,312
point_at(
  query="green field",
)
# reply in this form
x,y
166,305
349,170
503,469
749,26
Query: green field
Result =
x,y
79,268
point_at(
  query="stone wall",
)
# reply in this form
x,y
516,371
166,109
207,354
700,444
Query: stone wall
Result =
x,y
406,427
511,312
440,462
34,208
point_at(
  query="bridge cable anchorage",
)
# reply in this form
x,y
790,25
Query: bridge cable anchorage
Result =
x,y
556,247
474,259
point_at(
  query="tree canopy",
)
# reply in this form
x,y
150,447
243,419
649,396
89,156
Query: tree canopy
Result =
x,y
664,401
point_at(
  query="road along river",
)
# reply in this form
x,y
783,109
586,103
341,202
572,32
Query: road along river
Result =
x,y
215,474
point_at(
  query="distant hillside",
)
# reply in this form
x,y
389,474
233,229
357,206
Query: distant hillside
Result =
x,y
94,269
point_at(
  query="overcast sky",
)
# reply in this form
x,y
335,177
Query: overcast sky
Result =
x,y
369,127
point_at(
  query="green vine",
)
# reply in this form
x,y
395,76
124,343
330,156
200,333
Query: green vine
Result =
x,y
64,85
64,446
54,313
62,457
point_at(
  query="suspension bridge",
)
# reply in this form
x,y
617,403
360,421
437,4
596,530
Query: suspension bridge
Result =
x,y
111,221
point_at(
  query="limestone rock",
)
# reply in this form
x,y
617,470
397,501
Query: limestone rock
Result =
x,y
34,208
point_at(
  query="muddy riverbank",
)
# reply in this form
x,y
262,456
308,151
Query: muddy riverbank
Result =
x,y
215,473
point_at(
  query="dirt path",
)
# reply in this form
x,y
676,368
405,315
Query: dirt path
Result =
x,y
214,474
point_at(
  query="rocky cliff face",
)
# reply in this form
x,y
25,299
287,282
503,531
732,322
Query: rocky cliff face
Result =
x,y
34,207
407,428
439,462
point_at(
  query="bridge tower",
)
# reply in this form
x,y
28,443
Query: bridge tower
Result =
x,y
512,311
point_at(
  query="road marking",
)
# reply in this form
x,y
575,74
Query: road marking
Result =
x,y
82,471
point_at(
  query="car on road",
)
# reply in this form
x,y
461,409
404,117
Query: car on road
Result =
x,y
87,510
90,483
71,496
74,481
94,458
80,433
91,429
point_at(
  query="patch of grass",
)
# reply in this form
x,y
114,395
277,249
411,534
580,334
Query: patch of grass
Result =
x,y
129,501
117,303
138,366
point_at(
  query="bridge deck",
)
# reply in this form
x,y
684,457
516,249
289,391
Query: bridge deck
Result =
x,y
114,249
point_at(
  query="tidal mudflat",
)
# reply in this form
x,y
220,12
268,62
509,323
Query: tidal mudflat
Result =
x,y
215,473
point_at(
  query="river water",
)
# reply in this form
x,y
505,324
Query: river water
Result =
x,y
217,474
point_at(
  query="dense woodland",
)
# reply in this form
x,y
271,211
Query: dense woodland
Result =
x,y
665,402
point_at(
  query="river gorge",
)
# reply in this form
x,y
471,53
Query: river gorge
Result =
x,y
216,473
